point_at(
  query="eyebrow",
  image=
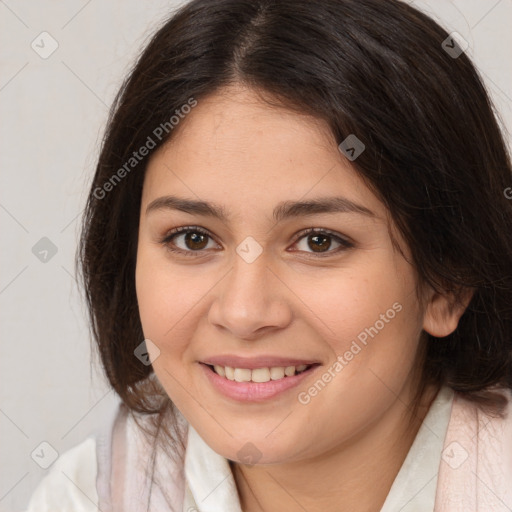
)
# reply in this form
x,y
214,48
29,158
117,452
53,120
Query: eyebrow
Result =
x,y
283,210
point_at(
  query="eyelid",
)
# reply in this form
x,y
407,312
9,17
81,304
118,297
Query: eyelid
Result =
x,y
183,229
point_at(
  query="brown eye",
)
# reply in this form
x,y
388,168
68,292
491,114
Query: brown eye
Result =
x,y
321,242
189,240
196,241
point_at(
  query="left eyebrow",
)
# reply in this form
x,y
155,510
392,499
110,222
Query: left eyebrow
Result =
x,y
288,209
283,210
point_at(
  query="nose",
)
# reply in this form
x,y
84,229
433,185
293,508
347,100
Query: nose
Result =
x,y
251,301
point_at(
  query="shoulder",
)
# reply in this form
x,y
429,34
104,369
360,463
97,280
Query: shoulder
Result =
x,y
476,462
114,463
495,433
71,483
487,419
486,429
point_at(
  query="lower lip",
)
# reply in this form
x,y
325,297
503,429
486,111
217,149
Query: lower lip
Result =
x,y
254,391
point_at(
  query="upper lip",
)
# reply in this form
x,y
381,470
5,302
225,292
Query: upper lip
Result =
x,y
264,361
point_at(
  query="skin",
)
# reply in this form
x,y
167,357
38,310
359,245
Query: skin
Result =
x,y
348,443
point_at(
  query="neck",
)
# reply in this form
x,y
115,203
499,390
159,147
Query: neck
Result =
x,y
357,474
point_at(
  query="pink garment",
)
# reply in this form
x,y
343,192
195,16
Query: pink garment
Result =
x,y
475,472
125,480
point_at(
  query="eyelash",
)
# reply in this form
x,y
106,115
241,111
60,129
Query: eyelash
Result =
x,y
344,244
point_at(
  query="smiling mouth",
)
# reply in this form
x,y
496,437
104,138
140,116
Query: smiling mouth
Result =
x,y
260,375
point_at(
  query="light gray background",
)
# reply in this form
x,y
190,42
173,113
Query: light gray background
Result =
x,y
52,114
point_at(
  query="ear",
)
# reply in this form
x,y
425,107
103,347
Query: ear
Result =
x,y
443,312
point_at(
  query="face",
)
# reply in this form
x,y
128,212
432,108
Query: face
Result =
x,y
261,250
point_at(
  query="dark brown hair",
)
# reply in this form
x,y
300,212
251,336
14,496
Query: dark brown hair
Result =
x,y
374,68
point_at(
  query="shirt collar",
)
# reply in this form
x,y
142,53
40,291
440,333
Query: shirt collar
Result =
x,y
210,483
211,486
414,488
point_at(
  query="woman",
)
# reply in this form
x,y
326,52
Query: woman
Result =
x,y
296,253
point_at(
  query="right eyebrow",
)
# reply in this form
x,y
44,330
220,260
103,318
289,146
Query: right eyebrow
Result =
x,y
191,206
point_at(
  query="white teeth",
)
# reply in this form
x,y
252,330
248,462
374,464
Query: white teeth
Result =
x,y
242,375
219,370
289,371
277,373
258,374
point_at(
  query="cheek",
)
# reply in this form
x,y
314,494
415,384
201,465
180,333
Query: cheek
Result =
x,y
370,315
168,301
371,322
162,297
171,299
155,303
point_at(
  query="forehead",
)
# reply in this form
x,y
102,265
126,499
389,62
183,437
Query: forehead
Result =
x,y
236,149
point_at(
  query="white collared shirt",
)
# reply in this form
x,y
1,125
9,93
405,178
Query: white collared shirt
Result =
x,y
71,484
212,488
